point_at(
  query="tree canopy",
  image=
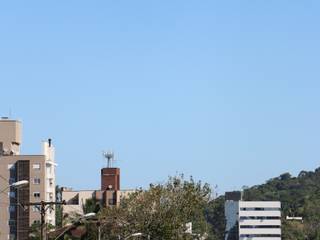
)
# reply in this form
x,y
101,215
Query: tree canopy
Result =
x,y
162,211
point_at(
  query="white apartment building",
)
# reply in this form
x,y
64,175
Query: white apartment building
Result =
x,y
252,220
50,179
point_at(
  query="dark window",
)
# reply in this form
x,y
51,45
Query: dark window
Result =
x,y
260,226
36,194
36,181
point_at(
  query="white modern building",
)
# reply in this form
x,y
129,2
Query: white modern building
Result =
x,y
50,179
252,220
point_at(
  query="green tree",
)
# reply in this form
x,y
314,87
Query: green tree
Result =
x,y
293,231
299,196
216,218
91,205
161,212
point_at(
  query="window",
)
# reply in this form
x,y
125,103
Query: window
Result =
x,y
12,208
36,166
36,194
12,194
11,222
12,236
12,180
36,181
35,209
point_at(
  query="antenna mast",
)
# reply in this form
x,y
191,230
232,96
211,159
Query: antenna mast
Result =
x,y
109,155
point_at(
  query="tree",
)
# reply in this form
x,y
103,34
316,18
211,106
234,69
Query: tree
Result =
x,y
293,230
216,218
299,196
161,212
91,205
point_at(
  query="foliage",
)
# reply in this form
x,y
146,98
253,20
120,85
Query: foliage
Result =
x,y
299,196
91,205
293,230
215,217
161,212
35,231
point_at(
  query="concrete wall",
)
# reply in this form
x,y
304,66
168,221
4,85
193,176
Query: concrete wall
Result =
x,y
75,201
39,170
10,161
232,216
10,136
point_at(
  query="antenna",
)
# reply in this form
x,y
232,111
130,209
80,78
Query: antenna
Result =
x,y
109,155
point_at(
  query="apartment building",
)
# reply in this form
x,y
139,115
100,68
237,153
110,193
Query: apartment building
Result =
x,y
39,170
252,220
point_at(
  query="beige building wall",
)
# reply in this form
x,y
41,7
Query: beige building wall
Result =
x,y
10,137
75,201
8,163
39,170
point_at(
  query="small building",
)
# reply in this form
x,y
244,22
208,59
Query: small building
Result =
x,y
251,220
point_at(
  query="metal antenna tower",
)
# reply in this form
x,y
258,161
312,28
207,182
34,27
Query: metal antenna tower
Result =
x,y
109,155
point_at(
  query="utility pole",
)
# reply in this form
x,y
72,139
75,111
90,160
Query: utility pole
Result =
x,y
99,230
43,207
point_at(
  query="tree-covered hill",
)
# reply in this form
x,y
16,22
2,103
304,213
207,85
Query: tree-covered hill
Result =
x,y
300,197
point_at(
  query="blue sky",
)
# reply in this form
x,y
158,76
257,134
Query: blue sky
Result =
x,y
225,91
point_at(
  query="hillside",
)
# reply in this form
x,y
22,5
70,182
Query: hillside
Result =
x,y
300,196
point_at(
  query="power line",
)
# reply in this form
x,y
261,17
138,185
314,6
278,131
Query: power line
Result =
x,y
44,206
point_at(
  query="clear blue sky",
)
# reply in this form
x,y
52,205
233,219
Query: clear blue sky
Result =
x,y
226,91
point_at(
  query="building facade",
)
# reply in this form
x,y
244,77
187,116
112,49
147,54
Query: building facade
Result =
x,y
75,200
252,220
39,170
108,195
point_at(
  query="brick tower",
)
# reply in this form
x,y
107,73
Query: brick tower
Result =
x,y
110,179
110,176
